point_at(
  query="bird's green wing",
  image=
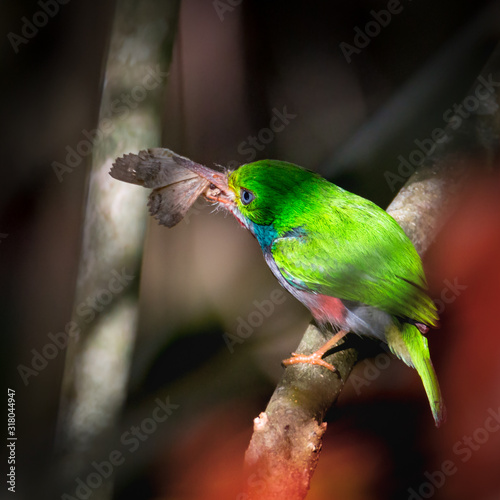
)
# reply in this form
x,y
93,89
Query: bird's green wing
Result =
x,y
353,250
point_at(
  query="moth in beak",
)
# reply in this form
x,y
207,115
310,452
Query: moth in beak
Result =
x,y
176,182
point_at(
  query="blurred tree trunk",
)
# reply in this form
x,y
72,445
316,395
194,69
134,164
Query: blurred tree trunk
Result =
x,y
105,307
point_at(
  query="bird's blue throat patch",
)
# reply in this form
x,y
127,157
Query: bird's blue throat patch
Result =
x,y
265,235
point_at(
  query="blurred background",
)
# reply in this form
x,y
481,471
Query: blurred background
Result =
x,y
247,80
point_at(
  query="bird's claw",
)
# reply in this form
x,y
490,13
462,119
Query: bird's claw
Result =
x,y
312,359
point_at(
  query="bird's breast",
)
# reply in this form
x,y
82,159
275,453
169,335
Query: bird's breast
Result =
x,y
326,309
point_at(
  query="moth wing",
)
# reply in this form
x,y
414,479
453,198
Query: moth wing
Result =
x,y
170,204
152,168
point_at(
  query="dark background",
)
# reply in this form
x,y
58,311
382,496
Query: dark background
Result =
x,y
197,279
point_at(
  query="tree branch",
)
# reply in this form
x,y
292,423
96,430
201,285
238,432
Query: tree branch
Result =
x,y
286,442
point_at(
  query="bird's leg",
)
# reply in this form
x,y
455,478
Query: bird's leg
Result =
x,y
316,357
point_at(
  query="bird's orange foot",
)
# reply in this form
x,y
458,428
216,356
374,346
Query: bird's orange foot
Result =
x,y
316,358
312,359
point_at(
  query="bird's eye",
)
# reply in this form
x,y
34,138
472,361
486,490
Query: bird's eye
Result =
x,y
246,196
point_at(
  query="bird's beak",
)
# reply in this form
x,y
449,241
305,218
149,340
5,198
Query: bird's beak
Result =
x,y
218,190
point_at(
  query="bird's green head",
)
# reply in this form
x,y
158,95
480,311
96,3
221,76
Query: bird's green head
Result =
x,y
269,192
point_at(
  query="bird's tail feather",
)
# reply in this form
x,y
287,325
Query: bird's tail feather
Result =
x,y
417,355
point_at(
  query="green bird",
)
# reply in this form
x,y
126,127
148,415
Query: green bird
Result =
x,y
347,260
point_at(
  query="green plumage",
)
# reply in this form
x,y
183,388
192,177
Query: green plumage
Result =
x,y
351,249
321,240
